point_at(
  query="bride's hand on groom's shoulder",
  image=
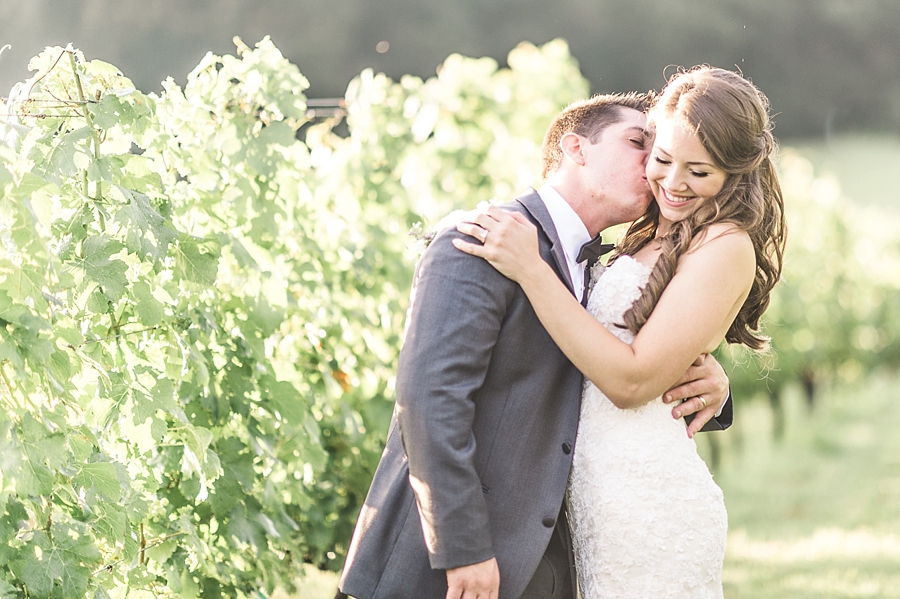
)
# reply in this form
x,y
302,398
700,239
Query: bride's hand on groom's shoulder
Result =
x,y
702,390
509,241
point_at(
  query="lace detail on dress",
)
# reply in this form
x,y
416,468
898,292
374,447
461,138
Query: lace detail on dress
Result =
x,y
647,519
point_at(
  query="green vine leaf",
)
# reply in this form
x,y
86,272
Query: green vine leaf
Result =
x,y
64,560
97,264
102,477
7,591
66,158
146,230
197,259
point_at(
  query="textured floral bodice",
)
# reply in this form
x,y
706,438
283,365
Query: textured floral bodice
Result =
x,y
646,517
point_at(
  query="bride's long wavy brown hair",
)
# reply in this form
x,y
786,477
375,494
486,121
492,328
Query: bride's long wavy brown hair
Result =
x,y
730,116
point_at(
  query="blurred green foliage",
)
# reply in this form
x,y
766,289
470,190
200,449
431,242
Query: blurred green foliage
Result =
x,y
833,317
202,296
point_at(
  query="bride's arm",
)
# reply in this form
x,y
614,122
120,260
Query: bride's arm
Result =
x,y
692,315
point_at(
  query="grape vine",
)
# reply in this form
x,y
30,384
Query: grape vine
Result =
x,y
202,295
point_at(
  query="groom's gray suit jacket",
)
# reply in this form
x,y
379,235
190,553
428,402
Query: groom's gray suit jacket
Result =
x,y
480,446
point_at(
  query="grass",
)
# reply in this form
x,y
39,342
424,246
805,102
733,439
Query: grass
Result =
x,y
314,585
814,515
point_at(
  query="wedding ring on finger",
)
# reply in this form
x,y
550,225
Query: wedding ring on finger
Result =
x,y
484,237
702,401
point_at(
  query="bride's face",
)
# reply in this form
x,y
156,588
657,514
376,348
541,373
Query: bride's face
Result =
x,y
681,173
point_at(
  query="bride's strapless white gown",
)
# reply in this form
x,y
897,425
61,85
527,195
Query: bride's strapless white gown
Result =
x,y
647,519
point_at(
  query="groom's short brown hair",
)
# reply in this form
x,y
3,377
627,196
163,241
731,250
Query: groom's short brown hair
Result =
x,y
587,118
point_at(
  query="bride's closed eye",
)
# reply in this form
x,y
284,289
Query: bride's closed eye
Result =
x,y
664,162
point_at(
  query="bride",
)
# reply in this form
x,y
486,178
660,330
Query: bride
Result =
x,y
698,267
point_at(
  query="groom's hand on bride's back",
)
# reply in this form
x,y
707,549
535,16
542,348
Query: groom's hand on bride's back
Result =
x,y
701,391
476,581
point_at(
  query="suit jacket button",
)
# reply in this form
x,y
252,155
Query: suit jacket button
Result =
x,y
548,521
567,449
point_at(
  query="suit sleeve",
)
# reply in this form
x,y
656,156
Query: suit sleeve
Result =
x,y
723,420
457,307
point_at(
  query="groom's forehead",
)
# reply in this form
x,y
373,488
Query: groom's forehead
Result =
x,y
630,118
630,122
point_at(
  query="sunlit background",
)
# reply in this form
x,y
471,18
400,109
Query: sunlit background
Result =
x,y
811,468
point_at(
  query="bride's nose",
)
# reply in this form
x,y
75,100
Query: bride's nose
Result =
x,y
674,180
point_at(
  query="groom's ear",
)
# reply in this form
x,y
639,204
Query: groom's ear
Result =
x,y
571,146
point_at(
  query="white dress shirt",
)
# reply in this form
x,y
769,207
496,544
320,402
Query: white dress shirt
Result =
x,y
571,231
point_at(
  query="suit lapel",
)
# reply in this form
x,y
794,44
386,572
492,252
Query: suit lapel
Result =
x,y
535,206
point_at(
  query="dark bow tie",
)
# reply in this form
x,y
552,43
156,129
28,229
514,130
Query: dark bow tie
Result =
x,y
593,249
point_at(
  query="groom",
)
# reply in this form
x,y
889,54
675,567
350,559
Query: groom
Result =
x,y
467,501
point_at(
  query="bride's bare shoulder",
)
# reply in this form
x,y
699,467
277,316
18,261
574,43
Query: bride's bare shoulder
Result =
x,y
723,248
723,237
